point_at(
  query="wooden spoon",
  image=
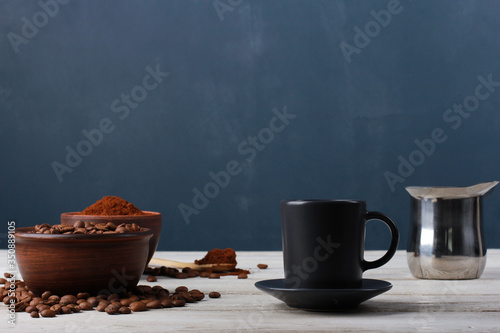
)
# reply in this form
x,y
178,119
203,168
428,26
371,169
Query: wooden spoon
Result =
x,y
180,264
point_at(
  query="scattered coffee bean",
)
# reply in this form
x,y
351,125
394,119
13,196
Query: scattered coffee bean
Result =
x,y
140,298
262,266
101,307
178,302
214,294
8,275
124,310
48,313
82,295
138,306
152,278
68,299
214,276
85,306
93,301
46,295
53,299
66,310
30,308
111,309
242,276
180,289
156,304
56,308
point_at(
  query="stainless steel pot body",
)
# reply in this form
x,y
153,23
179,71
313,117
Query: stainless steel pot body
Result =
x,y
446,239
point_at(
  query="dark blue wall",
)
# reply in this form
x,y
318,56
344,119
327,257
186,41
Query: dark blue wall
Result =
x,y
355,103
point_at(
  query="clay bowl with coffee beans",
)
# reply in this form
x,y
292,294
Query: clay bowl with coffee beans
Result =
x,y
150,220
65,263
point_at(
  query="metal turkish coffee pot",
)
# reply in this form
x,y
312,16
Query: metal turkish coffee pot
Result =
x,y
446,239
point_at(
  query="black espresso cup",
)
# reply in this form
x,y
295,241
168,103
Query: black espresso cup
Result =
x,y
324,242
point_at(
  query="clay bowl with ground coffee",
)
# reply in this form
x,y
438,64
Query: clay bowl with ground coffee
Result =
x,y
70,263
150,220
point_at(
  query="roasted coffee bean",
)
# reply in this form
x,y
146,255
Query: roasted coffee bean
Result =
x,y
75,308
101,306
162,293
262,266
2,281
30,308
68,299
117,303
181,276
133,298
166,303
242,276
180,289
124,310
197,295
204,274
65,310
34,314
138,306
214,294
48,313
178,302
82,295
56,308
8,275
214,276
111,309
193,273
79,224
93,301
152,278
80,301
46,295
54,299
126,301
113,297
154,304
40,307
85,306
35,301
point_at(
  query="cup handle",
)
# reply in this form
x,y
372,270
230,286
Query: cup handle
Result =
x,y
365,265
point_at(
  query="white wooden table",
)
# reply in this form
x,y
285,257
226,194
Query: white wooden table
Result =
x,y
412,305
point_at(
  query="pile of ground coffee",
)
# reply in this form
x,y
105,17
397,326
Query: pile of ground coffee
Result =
x,y
112,205
218,256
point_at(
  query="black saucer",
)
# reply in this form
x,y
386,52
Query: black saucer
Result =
x,y
323,299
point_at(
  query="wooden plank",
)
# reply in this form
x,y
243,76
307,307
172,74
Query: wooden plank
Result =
x,y
412,305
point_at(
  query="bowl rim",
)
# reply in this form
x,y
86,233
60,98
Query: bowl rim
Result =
x,y
22,233
148,215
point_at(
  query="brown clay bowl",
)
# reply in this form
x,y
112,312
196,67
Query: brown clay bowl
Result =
x,y
152,220
68,264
